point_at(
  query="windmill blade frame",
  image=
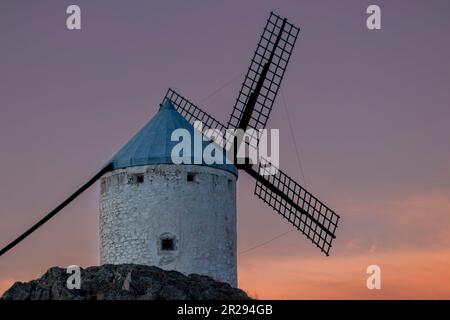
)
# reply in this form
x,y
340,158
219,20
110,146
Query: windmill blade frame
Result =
x,y
193,113
297,205
264,75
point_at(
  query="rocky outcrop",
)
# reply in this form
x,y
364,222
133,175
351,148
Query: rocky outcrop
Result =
x,y
123,282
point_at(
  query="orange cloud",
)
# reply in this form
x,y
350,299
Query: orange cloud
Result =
x,y
409,275
408,237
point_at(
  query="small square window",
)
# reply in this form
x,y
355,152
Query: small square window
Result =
x,y
167,244
190,177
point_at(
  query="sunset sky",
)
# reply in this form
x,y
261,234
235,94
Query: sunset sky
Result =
x,y
370,112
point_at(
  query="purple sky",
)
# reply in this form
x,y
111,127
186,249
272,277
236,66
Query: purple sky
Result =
x,y
370,110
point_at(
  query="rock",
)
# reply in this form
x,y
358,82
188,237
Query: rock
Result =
x,y
124,282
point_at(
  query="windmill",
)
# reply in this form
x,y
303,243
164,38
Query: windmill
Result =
x,y
143,194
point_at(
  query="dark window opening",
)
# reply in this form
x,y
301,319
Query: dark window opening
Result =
x,y
136,178
190,177
167,245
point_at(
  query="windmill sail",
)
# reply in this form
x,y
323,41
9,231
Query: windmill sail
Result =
x,y
303,210
264,75
193,113
55,211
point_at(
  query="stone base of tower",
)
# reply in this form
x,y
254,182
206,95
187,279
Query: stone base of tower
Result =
x,y
176,217
130,282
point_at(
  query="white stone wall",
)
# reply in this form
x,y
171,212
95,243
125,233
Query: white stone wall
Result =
x,y
200,216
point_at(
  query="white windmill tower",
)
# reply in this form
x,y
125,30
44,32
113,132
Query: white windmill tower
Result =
x,y
183,216
176,217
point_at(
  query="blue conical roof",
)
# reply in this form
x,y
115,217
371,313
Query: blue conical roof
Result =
x,y
153,145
